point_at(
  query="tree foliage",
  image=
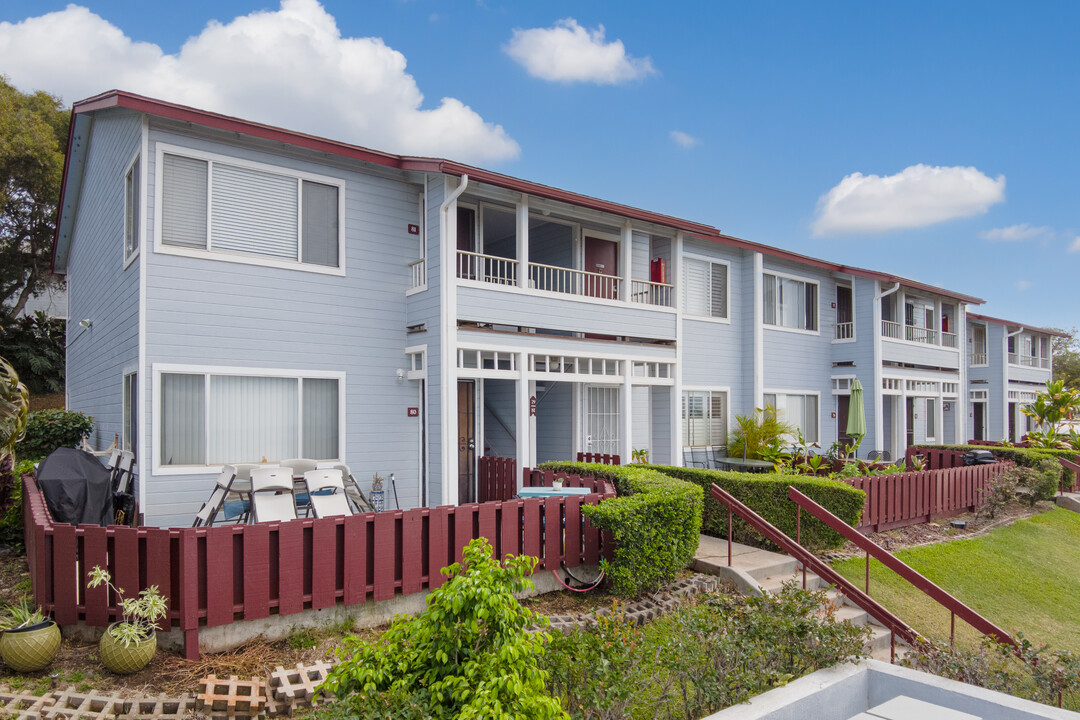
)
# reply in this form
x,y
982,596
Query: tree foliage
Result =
x,y
35,348
33,139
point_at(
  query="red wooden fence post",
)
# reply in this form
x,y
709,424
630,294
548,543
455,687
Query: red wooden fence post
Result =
x,y
189,592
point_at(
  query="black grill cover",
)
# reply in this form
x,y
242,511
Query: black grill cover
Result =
x,y
77,488
979,457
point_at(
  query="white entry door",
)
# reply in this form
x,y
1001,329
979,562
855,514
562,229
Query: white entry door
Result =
x,y
600,421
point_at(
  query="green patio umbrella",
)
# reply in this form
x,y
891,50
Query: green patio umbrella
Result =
x,y
856,419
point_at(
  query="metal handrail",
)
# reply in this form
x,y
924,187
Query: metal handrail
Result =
x,y
874,609
951,603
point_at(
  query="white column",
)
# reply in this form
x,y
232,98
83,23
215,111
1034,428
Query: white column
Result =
x,y
523,241
937,323
448,361
961,416
875,392
626,256
759,333
626,408
523,425
675,411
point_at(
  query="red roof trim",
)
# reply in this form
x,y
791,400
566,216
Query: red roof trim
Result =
x,y
999,321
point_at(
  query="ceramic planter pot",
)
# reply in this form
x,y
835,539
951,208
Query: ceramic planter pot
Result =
x,y
378,500
30,648
125,660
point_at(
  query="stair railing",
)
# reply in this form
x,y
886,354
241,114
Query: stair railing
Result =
x,y
886,558
897,628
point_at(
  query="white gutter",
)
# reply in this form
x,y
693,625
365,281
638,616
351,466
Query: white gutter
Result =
x,y
448,364
879,400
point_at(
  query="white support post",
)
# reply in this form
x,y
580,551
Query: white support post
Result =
x,y
675,411
626,256
523,241
759,332
960,417
523,426
448,362
938,332
626,411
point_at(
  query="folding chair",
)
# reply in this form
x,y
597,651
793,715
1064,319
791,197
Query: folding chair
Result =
x,y
299,466
272,495
216,502
326,491
124,472
352,490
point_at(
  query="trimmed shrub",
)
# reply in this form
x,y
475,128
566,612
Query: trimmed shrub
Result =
x,y
655,521
51,429
1034,458
767,495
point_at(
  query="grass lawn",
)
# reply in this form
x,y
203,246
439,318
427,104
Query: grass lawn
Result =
x,y
1025,576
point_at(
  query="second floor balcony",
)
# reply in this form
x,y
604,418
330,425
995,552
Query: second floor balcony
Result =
x,y
913,333
1029,361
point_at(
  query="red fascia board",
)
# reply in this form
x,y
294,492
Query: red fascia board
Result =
x,y
1000,321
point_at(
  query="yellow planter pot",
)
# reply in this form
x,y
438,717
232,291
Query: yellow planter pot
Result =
x,y
31,648
125,660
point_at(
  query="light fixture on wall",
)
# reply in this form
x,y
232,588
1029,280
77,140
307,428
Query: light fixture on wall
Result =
x,y
400,375
86,323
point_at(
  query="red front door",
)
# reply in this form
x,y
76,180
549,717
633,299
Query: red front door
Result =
x,y
602,258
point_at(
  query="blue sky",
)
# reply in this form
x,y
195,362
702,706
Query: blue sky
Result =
x,y
779,103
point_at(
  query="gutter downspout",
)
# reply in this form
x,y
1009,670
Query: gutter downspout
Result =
x,y
879,400
1005,381
448,369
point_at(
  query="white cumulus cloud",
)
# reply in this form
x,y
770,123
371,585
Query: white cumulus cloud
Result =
x,y
684,140
1022,285
290,67
1074,246
567,52
917,196
1016,233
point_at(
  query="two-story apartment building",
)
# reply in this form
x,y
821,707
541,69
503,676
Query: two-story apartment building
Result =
x,y
1009,364
251,293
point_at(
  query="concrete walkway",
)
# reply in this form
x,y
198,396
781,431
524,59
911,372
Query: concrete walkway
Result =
x,y
1069,501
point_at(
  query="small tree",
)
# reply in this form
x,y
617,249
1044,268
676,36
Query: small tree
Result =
x,y
758,433
469,654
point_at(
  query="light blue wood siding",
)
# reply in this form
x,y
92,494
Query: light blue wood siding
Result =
x,y
99,288
503,306
860,353
919,354
207,312
555,423
499,418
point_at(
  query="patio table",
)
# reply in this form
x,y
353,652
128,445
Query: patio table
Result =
x,y
529,492
745,465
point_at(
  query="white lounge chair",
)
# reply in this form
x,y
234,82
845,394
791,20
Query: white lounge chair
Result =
x,y
326,492
352,489
209,511
299,466
124,472
272,495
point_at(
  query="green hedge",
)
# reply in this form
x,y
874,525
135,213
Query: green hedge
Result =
x,y
1034,458
47,430
655,521
767,495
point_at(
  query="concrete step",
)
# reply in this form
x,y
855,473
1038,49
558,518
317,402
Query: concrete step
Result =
x,y
773,583
853,615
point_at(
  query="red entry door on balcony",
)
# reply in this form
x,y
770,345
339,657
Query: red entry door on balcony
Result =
x,y
601,257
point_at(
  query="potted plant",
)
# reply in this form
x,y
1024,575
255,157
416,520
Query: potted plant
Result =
x,y
557,483
128,645
30,640
377,492
640,455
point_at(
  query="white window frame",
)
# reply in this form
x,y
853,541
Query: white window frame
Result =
x,y
136,224
985,346
854,324
817,307
163,149
803,393
727,290
126,407
726,389
422,201
159,369
929,407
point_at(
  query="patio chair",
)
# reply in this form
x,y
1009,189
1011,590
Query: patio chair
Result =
x,y
216,502
272,495
123,473
326,490
299,466
700,457
356,496
716,462
876,455
691,459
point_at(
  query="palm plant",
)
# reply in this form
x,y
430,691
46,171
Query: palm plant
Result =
x,y
758,434
1054,405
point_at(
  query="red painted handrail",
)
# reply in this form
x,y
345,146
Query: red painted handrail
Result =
x,y
902,569
874,609
1069,465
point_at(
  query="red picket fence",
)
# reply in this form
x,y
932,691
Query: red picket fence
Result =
x,y
935,458
496,479
215,576
910,498
545,478
602,458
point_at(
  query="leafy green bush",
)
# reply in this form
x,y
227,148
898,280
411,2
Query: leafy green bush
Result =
x,y
699,659
1034,458
11,519
767,495
655,521
758,433
467,655
51,429
34,345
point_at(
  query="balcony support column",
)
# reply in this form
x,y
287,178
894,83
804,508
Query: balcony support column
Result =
x,y
626,255
626,406
523,241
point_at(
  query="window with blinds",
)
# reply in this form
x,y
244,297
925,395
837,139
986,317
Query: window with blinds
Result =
x,y
209,419
705,288
219,207
704,418
789,302
799,411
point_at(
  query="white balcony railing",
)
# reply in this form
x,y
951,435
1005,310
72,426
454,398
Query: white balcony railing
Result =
x,y
1028,361
911,333
1014,359
574,282
418,268
949,339
844,331
650,293
486,268
978,358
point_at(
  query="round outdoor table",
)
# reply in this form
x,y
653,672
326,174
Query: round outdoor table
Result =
x,y
741,465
